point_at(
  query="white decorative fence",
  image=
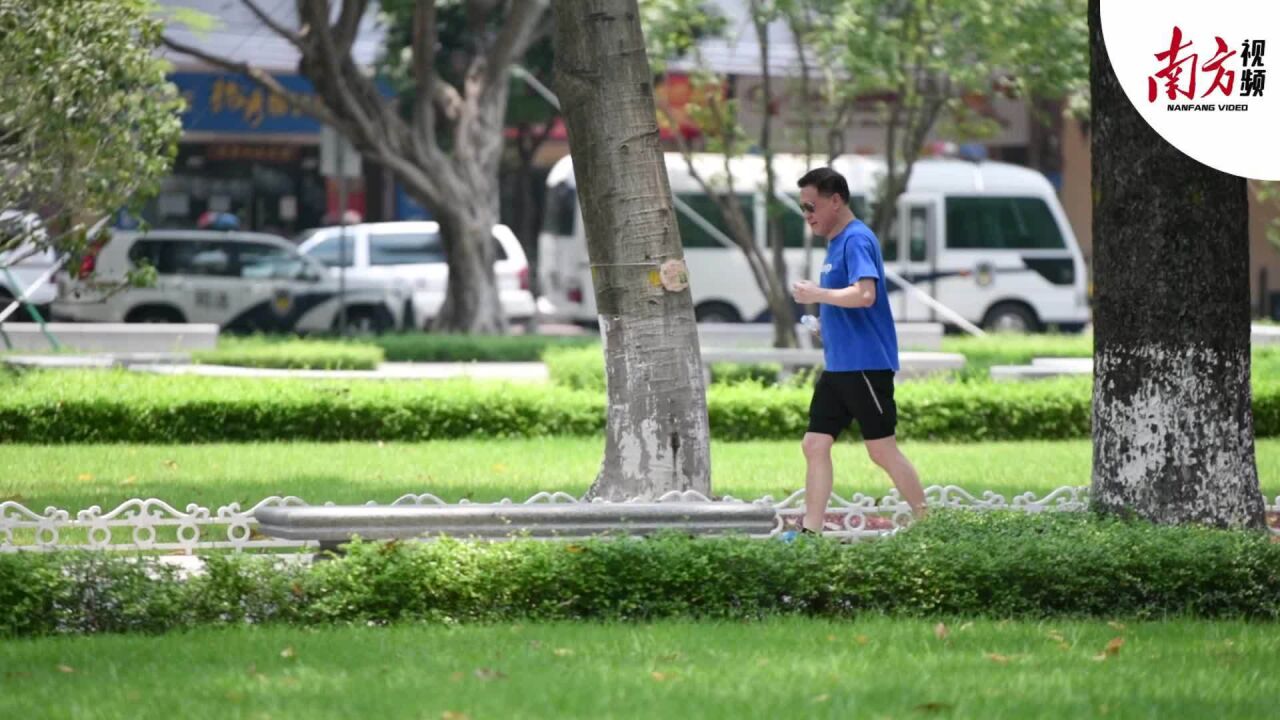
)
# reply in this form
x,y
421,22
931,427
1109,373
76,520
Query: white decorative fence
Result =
x,y
156,526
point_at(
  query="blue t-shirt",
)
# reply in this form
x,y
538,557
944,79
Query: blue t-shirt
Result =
x,y
857,338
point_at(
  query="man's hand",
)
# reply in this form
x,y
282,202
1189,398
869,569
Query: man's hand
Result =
x,y
806,292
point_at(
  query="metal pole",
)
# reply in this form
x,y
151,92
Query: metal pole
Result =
x,y
342,240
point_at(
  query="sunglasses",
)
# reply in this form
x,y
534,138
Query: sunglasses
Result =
x,y
808,207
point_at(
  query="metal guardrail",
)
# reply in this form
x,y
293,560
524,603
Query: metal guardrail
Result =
x,y
154,526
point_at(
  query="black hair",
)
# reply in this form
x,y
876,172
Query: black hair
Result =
x,y
827,181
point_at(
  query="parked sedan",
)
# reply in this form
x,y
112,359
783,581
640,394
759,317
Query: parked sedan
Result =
x,y
410,255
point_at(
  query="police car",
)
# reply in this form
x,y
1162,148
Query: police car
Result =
x,y
24,263
241,281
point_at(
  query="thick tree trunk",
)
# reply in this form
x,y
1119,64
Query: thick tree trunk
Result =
x,y
657,429
471,302
1172,417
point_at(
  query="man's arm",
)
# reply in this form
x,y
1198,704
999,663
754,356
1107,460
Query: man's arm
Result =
x,y
858,295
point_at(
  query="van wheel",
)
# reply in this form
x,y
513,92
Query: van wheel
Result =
x,y
154,314
1011,317
716,312
365,321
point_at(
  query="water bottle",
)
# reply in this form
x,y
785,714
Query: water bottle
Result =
x,y
810,322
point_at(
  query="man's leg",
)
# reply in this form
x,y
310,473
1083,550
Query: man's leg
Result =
x,y
817,478
885,453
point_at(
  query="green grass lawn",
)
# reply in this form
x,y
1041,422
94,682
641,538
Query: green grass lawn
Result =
x,y
792,668
77,476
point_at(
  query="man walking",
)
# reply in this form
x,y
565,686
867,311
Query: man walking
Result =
x,y
860,348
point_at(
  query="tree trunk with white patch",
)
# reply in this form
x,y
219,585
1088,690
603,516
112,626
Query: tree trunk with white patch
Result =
x,y
1172,416
656,437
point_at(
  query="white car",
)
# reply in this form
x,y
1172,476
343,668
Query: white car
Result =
x,y
240,281
410,255
25,264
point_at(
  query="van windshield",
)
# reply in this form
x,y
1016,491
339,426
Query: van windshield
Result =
x,y
562,210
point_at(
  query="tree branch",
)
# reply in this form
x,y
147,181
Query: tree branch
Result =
x,y
273,24
424,73
344,32
310,105
518,33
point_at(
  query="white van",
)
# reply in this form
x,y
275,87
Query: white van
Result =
x,y
988,240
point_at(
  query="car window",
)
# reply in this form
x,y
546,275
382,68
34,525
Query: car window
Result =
x,y
405,248
1005,223
334,251
210,259
692,233
265,261
499,252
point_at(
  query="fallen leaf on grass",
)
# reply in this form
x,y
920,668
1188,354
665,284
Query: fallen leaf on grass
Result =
x,y
66,669
489,674
1116,625
821,698
863,639
661,676
288,653
562,652
1112,648
933,707
171,464
84,477
1057,637
454,715
940,631
998,658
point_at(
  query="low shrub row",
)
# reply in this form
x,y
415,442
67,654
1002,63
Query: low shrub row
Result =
x,y
431,347
956,563
297,354
117,406
583,368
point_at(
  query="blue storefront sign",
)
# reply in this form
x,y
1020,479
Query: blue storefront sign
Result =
x,y
228,103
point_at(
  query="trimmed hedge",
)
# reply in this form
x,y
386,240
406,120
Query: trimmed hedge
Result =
x,y
583,368
296,354
1005,349
428,347
954,564
120,406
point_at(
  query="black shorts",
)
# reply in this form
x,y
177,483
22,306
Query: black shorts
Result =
x,y
865,396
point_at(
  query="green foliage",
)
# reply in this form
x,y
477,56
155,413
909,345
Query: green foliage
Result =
x,y
434,347
956,563
118,406
295,354
88,122
1268,194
